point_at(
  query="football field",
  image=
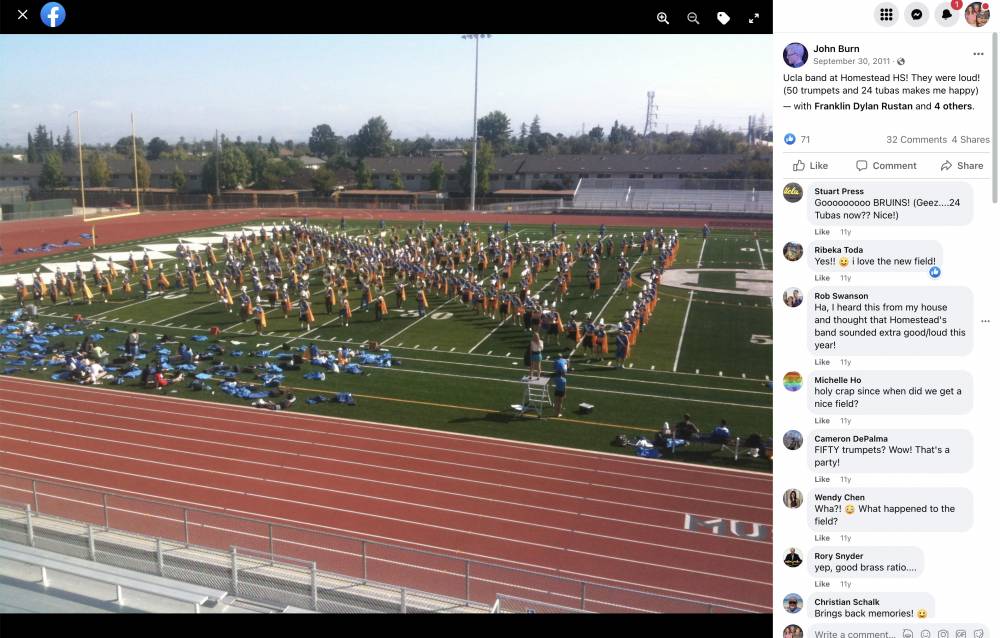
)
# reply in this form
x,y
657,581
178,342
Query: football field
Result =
x,y
706,350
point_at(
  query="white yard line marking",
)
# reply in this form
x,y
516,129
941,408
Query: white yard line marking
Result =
x,y
151,297
680,342
702,252
603,391
488,335
618,288
763,267
426,314
592,376
181,314
540,291
302,336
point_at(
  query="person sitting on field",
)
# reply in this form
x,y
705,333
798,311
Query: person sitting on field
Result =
x,y
663,436
284,404
145,379
721,433
686,429
161,381
187,355
94,373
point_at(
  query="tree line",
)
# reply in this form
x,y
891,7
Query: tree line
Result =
x,y
273,165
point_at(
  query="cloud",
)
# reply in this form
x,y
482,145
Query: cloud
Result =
x,y
15,107
102,104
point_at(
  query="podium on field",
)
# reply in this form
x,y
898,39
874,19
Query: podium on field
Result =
x,y
536,396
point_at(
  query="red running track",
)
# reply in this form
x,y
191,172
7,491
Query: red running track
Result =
x,y
603,518
33,232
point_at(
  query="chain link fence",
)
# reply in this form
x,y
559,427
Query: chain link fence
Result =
x,y
717,196
284,564
36,209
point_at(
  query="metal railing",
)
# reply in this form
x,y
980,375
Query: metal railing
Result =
x,y
271,581
366,561
525,206
515,605
761,206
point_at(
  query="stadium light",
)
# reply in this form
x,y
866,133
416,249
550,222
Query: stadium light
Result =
x,y
79,144
475,114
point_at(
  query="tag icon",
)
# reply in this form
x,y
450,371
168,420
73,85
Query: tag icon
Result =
x,y
722,17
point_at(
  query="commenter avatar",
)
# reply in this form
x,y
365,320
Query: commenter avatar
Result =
x,y
792,498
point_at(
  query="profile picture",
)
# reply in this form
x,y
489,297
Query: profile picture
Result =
x,y
792,558
792,498
792,251
792,381
795,55
793,297
792,439
792,631
793,603
977,15
792,192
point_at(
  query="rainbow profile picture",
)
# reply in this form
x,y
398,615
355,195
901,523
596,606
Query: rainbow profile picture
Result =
x,y
793,381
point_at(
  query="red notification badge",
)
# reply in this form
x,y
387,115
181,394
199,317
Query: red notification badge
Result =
x,y
956,5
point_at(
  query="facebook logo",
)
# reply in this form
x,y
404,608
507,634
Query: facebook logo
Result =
x,y
53,14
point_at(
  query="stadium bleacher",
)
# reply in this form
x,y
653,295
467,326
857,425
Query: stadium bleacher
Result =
x,y
715,196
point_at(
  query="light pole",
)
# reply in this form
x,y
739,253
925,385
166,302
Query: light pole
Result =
x,y
475,114
135,164
79,145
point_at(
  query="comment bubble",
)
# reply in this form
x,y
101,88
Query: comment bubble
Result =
x,y
891,392
915,629
890,451
875,256
891,509
882,320
869,606
890,203
867,562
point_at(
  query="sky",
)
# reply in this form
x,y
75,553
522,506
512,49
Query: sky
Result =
x,y
282,86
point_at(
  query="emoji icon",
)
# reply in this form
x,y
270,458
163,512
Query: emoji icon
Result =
x,y
921,613
843,262
849,509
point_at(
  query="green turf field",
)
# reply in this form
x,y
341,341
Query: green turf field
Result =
x,y
706,350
